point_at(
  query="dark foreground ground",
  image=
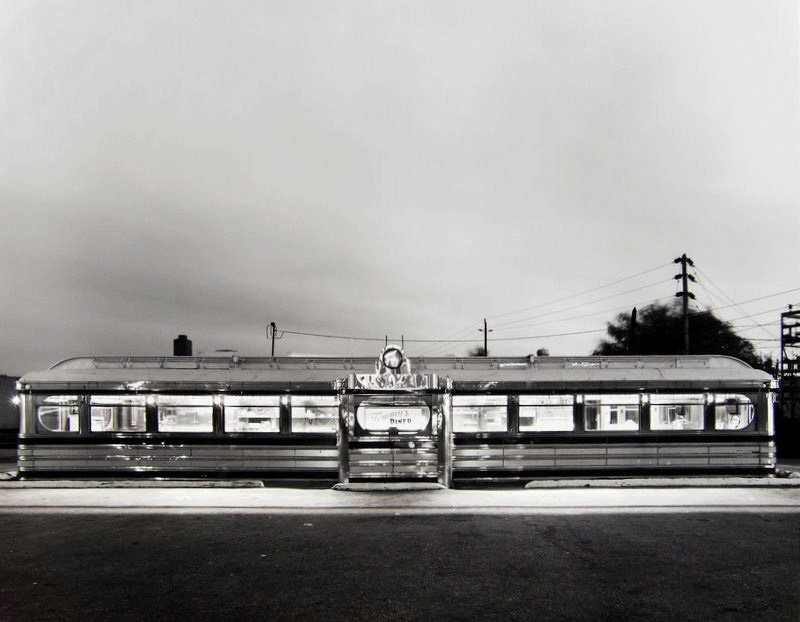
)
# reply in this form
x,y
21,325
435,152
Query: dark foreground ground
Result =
x,y
140,567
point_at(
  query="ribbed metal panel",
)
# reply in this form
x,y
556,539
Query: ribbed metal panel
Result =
x,y
521,457
392,462
176,458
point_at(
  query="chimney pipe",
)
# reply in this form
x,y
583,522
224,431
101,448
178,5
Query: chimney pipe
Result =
x,y
182,346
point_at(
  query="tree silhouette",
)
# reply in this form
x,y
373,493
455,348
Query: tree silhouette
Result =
x,y
477,351
659,330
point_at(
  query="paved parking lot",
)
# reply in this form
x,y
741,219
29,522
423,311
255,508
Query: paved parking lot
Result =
x,y
299,554
565,561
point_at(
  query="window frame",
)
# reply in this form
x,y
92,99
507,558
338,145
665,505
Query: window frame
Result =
x,y
222,402
78,403
334,397
751,401
509,409
186,396
640,405
91,397
530,397
659,400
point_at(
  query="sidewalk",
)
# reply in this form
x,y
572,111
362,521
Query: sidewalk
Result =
x,y
423,502
698,481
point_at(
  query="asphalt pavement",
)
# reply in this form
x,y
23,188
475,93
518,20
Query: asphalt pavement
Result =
x,y
710,551
709,566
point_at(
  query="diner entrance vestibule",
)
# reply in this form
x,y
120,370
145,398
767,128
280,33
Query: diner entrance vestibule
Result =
x,y
393,425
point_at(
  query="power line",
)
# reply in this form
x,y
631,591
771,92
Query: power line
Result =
x,y
711,296
474,340
381,339
584,315
730,300
580,332
744,302
725,297
438,343
323,336
740,325
533,317
745,327
773,310
588,291
434,348
449,339
736,304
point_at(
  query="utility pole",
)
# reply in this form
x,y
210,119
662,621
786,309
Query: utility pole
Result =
x,y
271,330
485,332
685,294
632,334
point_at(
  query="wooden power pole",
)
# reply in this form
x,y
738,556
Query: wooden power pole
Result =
x,y
485,330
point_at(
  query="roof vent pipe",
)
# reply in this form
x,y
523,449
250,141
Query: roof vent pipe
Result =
x,y
182,346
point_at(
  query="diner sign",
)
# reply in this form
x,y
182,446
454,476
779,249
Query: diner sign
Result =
x,y
392,381
392,372
402,418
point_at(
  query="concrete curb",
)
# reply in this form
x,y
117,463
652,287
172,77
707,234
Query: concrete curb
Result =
x,y
666,482
132,484
387,486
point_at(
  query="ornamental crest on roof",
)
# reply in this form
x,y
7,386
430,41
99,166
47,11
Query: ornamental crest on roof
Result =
x,y
392,371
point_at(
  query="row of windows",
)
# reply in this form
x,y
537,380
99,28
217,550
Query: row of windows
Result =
x,y
471,413
602,413
189,413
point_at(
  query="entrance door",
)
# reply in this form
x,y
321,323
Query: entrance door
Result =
x,y
393,436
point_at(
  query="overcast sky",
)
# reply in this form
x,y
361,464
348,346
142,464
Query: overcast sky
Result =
x,y
389,168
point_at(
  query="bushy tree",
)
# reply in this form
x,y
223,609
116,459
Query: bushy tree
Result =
x,y
659,330
477,351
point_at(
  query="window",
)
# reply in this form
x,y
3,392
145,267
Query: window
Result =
x,y
59,413
546,413
117,413
611,413
185,413
252,413
732,412
315,413
480,413
677,412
